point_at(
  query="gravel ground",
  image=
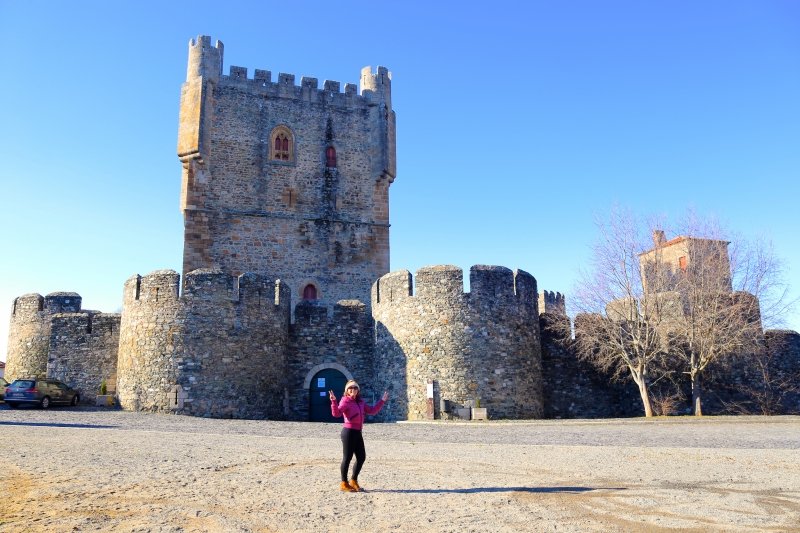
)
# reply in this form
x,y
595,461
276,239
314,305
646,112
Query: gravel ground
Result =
x,y
93,470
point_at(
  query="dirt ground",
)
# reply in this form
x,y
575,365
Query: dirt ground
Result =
x,y
92,470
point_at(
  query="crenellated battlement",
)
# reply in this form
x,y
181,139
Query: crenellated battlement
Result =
x,y
490,284
552,302
35,305
210,286
26,306
205,60
157,286
375,88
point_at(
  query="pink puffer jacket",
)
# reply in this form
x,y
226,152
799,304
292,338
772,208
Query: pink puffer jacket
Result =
x,y
354,411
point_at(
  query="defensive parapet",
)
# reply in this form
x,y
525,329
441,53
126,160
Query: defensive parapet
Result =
x,y
375,88
219,349
29,331
552,302
206,62
478,346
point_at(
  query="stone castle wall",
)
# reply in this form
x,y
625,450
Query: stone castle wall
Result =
x,y
482,345
83,351
217,350
783,350
552,303
343,341
574,388
298,219
29,332
53,337
765,380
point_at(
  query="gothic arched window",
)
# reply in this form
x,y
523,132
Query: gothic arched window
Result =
x,y
281,144
310,292
330,157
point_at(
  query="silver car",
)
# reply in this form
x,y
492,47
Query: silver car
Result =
x,y
40,392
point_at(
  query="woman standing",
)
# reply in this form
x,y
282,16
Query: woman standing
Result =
x,y
354,409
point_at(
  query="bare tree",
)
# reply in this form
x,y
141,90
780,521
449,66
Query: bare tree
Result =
x,y
649,309
617,329
728,289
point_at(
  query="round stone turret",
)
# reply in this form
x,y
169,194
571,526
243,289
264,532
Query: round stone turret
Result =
x,y
478,347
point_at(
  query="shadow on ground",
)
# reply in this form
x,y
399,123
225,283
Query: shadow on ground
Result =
x,y
57,425
539,490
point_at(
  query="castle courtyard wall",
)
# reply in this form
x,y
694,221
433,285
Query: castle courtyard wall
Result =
x,y
482,346
574,388
217,350
84,350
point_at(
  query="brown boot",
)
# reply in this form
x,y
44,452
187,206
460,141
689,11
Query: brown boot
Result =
x,y
356,487
345,487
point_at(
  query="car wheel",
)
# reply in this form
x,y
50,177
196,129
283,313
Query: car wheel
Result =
x,y
45,403
75,400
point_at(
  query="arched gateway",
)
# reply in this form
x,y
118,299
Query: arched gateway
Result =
x,y
319,381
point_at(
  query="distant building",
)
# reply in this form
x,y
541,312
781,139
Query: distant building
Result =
x,y
670,262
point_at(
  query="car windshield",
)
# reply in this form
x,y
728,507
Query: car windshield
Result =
x,y
23,384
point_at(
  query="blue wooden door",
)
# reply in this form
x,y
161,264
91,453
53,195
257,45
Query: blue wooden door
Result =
x,y
323,381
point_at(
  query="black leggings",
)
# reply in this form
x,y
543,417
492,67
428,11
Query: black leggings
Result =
x,y
352,443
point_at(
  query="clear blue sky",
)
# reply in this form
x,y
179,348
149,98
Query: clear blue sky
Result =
x,y
518,122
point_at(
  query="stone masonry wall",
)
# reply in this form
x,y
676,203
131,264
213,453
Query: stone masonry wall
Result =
x,y
783,349
83,351
575,389
218,350
319,341
483,345
151,343
765,380
29,332
300,219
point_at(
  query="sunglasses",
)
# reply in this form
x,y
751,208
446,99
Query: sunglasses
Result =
x,y
352,388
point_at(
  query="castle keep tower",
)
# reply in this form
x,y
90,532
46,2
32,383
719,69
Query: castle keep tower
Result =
x,y
285,180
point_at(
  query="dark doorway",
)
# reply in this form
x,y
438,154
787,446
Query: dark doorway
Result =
x,y
321,383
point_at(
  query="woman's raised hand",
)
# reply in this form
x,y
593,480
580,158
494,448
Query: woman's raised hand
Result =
x,y
385,396
331,395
